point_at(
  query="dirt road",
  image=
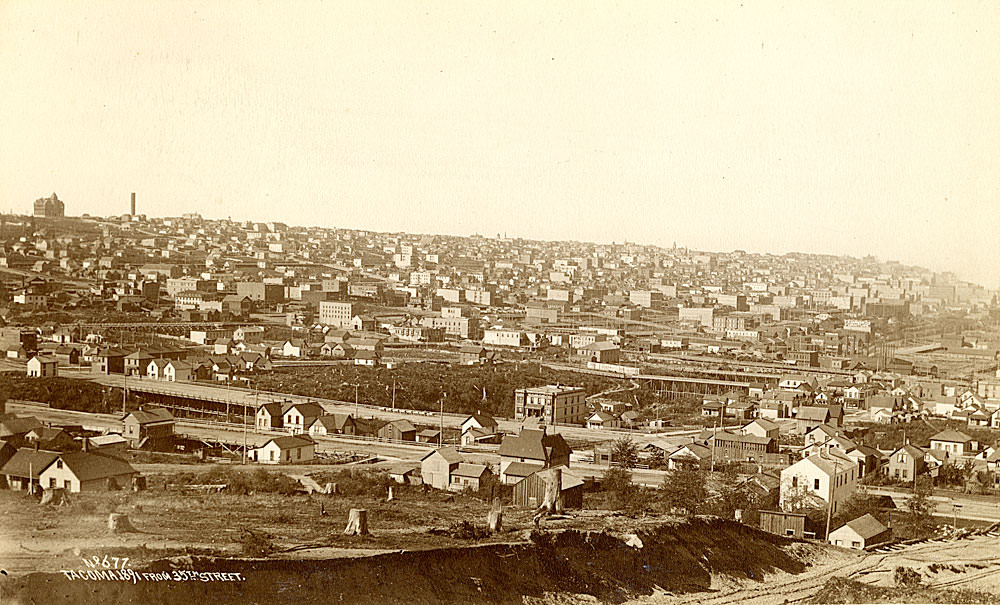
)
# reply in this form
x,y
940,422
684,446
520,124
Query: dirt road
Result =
x,y
972,563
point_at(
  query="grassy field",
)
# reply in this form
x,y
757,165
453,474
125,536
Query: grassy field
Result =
x,y
178,520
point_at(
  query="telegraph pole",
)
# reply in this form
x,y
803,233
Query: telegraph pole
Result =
x,y
441,426
394,393
356,400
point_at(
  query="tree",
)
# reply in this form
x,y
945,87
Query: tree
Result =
x,y
684,489
858,505
625,495
918,519
625,451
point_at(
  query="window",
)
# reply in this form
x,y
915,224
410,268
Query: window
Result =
x,y
52,481
66,483
59,463
816,484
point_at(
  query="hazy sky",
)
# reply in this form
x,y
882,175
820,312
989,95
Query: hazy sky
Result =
x,y
845,127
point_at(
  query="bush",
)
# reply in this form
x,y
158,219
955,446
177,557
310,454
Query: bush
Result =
x,y
358,482
905,577
258,481
256,544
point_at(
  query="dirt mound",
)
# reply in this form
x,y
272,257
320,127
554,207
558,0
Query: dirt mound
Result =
x,y
678,558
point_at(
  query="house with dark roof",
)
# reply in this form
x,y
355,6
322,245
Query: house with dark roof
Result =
x,y
906,463
151,427
529,451
24,467
333,424
743,448
479,421
270,417
13,427
690,455
398,430
87,471
809,417
136,363
296,418
429,436
50,438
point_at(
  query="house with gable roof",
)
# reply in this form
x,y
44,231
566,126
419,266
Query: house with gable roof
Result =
x,y
529,451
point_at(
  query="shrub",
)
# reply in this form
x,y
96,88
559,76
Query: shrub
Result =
x,y
358,482
256,544
905,577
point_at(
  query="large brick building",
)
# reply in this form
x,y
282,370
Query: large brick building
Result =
x,y
552,404
49,206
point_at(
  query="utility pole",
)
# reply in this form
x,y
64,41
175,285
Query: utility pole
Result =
x,y
356,400
441,426
255,393
394,393
713,447
124,389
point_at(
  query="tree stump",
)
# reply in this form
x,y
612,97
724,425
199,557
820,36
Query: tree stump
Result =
x,y
553,501
331,488
389,499
495,518
357,522
118,523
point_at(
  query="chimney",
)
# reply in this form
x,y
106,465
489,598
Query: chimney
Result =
x,y
133,204
85,446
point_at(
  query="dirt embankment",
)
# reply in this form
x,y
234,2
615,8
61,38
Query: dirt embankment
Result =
x,y
677,558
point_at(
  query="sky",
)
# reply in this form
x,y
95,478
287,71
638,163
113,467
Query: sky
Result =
x,y
833,127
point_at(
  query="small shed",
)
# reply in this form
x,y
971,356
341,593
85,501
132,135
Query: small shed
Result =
x,y
792,525
530,491
406,473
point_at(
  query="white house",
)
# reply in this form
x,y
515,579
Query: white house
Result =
x,y
761,427
86,471
43,366
954,443
602,420
155,368
285,450
828,476
860,533
299,417
177,370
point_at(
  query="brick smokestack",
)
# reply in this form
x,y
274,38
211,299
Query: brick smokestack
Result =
x,y
133,204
